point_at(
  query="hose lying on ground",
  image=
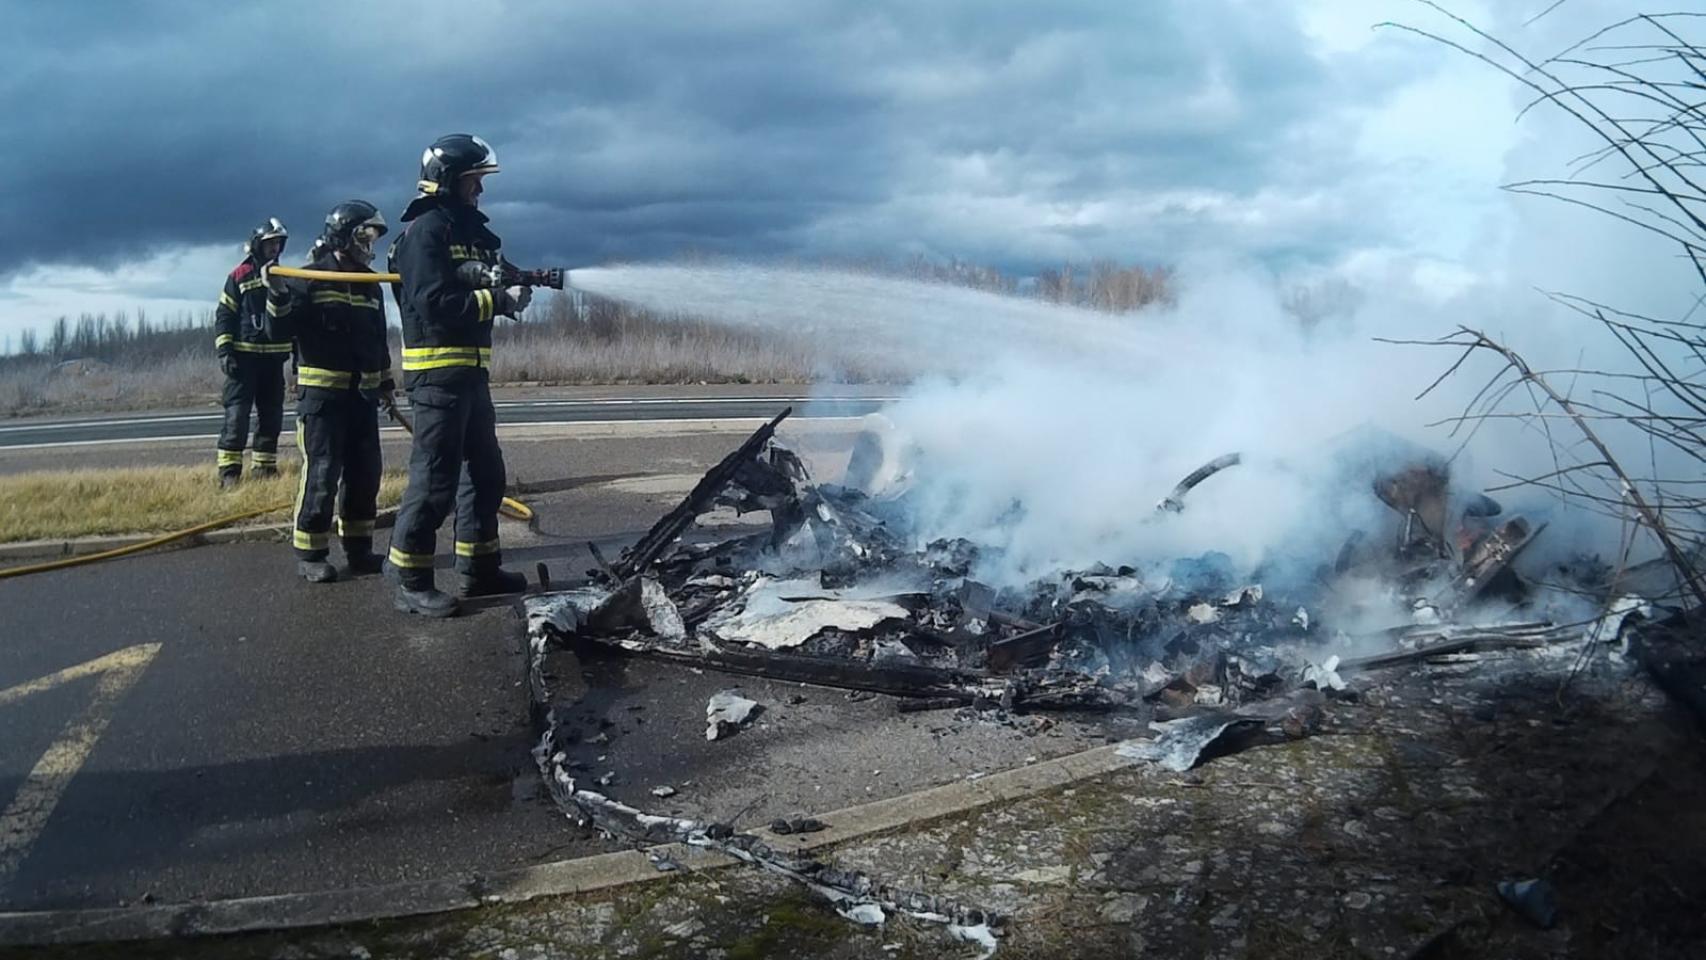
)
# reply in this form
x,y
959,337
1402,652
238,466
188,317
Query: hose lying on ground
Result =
x,y
159,541
511,508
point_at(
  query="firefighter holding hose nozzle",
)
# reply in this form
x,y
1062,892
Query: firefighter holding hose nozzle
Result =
x,y
343,375
452,286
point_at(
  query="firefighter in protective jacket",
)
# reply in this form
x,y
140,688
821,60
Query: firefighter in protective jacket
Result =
x,y
343,375
451,289
253,363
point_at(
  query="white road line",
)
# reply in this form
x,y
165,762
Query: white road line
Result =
x,y
5,448
502,405
128,421
24,819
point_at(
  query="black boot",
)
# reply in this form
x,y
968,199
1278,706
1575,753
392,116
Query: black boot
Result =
x,y
263,473
365,562
228,480
491,582
428,601
316,571
358,552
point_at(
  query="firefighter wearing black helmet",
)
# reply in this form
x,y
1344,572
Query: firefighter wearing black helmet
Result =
x,y
450,292
343,375
253,363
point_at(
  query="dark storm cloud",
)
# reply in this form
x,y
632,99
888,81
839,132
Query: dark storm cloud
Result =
x,y
628,130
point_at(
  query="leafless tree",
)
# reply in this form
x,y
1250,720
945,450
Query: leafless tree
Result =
x,y
1639,86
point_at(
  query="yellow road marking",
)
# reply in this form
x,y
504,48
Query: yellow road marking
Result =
x,y
23,820
130,658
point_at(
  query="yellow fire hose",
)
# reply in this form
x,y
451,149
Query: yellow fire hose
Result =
x,y
335,275
159,541
511,508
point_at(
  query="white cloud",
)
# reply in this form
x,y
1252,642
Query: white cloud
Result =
x,y
1288,132
169,285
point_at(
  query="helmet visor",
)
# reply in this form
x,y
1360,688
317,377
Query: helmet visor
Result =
x,y
490,162
370,229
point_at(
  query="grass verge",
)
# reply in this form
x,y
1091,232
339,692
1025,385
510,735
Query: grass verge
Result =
x,y
60,504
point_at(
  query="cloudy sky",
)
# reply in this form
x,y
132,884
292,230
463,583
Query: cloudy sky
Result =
x,y
149,137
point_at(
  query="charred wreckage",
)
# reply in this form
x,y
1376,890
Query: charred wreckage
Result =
x,y
837,592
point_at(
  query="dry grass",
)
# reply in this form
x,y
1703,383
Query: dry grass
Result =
x,y
38,385
55,504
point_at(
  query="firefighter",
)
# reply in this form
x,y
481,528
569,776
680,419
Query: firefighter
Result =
x,y
252,362
451,289
343,375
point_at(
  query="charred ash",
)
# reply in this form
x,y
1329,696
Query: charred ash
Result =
x,y
836,591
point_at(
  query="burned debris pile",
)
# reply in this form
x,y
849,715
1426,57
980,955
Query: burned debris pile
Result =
x,y
836,590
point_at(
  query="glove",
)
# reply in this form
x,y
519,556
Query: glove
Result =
x,y
519,298
480,276
275,284
228,363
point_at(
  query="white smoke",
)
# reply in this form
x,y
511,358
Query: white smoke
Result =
x,y
1050,432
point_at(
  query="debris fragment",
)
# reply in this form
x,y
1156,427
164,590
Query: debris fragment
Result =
x,y
777,614
670,527
726,712
686,929
1175,502
1534,900
783,827
1325,676
665,791
1243,596
866,913
1202,613
1183,741
640,603
979,934
1609,627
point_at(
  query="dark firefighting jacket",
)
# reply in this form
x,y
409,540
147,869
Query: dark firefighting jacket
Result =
x,y
339,329
447,323
239,322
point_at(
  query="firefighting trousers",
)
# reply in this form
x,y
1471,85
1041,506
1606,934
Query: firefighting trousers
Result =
x,y
337,433
455,460
259,385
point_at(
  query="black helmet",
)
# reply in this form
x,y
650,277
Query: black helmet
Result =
x,y
270,229
449,158
342,223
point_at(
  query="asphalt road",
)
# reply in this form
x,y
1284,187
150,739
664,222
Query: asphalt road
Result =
x,y
614,406
200,724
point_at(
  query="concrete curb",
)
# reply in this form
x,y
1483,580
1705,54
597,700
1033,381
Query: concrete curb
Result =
x,y
584,875
48,549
